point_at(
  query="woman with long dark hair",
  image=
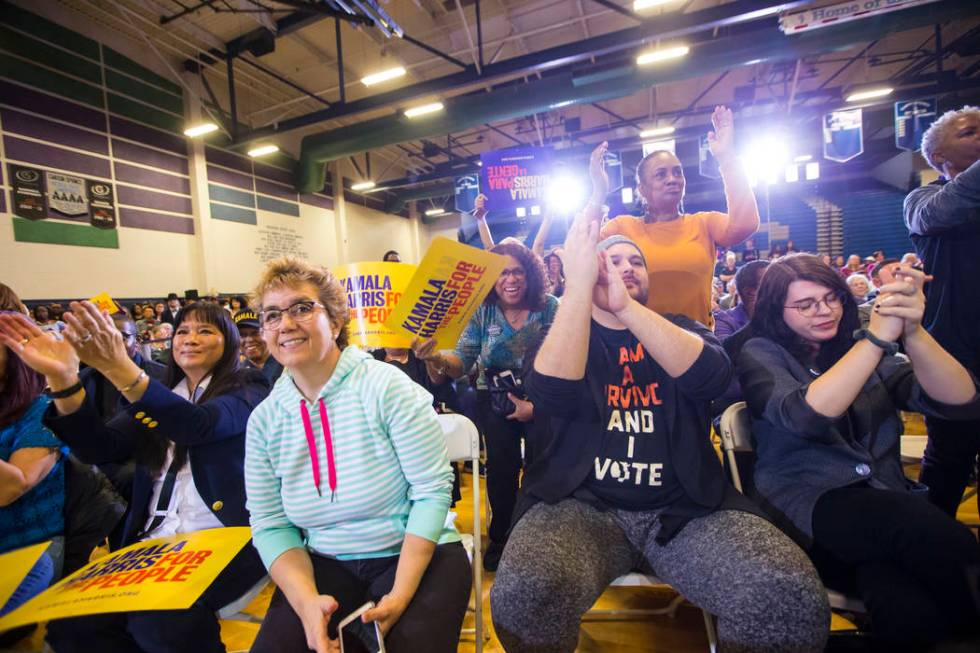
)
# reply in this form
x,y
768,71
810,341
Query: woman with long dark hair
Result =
x,y
824,397
32,475
187,437
510,321
680,247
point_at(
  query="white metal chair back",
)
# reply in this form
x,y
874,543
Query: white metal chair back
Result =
x,y
463,443
736,437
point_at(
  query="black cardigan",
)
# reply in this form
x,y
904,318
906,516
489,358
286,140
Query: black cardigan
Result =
x,y
565,458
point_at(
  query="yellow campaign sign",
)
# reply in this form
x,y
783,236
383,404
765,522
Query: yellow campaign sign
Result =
x,y
449,285
14,567
168,573
104,302
373,289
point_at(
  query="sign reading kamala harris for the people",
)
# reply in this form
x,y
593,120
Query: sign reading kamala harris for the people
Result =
x,y
167,573
373,290
27,190
843,135
515,177
450,283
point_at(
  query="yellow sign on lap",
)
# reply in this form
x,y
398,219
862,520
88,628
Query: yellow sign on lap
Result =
x,y
14,567
167,573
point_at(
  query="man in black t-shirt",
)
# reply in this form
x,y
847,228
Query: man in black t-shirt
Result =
x,y
629,478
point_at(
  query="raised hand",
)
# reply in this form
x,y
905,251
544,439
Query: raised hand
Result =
x,y
597,172
95,337
43,352
579,253
425,349
721,141
480,207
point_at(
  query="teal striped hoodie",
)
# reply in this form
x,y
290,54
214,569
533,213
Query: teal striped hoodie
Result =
x,y
392,471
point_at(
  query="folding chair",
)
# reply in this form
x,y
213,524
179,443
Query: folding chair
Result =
x,y
463,443
736,437
638,579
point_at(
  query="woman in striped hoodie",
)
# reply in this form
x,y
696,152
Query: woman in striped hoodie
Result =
x,y
348,482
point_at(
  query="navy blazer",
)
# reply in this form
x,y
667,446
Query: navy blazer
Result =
x,y
213,432
802,454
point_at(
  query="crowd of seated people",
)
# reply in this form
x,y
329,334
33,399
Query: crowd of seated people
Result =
x,y
598,369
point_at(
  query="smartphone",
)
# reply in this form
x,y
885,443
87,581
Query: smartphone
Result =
x,y
368,634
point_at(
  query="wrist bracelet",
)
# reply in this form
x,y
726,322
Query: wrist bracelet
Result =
x,y
890,348
67,392
134,383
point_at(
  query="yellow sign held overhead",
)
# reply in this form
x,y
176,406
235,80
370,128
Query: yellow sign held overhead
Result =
x,y
168,573
104,302
451,282
373,290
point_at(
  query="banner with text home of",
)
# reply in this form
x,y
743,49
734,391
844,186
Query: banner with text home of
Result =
x,y
168,573
515,177
449,285
373,290
14,567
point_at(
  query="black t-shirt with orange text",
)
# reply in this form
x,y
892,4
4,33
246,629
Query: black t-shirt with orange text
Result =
x,y
632,469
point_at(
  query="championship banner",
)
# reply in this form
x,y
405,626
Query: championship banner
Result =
x,y
14,567
102,206
449,285
843,135
373,289
105,302
515,177
707,163
912,119
66,194
841,12
27,190
168,573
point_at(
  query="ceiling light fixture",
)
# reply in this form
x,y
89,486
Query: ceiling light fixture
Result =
x,y
363,185
383,76
656,131
424,109
662,54
434,212
870,94
262,150
200,129
640,5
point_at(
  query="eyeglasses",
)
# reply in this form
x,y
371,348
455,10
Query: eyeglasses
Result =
x,y
517,273
301,311
810,307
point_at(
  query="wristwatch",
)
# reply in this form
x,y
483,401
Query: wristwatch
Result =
x,y
890,348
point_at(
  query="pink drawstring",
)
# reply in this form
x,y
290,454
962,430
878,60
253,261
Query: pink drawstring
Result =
x,y
311,443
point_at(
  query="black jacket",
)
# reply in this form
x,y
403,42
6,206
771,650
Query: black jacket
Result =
x,y
565,459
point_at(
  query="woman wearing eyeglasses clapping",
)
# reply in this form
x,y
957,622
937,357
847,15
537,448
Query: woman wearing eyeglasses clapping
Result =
x,y
348,482
824,397
187,437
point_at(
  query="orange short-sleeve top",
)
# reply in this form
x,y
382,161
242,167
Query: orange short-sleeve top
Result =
x,y
680,258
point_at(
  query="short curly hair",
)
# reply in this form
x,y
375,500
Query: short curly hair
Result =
x,y
291,271
537,278
934,136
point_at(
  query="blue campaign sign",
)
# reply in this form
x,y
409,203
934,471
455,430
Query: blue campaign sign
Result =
x,y
843,135
515,177
912,119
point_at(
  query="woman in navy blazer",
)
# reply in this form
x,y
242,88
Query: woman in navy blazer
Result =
x,y
191,429
824,398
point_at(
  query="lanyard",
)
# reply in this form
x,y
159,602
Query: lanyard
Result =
x,y
311,443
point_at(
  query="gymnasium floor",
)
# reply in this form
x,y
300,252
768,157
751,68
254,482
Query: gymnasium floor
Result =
x,y
682,633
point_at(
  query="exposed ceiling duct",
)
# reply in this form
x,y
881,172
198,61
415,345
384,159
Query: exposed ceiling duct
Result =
x,y
464,112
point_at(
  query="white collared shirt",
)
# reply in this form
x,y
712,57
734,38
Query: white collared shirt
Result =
x,y
187,511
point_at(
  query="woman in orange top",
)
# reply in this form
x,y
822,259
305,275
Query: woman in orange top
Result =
x,y
680,247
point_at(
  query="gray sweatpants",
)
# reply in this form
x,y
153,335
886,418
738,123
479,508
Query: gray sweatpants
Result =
x,y
760,586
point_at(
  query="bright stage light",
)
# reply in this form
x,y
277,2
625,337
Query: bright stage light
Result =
x,y
792,173
521,212
765,159
803,158
565,194
813,171
626,195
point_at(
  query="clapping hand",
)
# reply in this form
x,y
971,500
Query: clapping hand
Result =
x,y
43,352
597,172
610,292
579,253
902,300
95,338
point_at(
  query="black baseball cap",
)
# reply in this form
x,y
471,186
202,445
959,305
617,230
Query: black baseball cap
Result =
x,y
246,318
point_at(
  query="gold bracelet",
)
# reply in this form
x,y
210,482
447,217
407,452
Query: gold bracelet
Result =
x,y
134,383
